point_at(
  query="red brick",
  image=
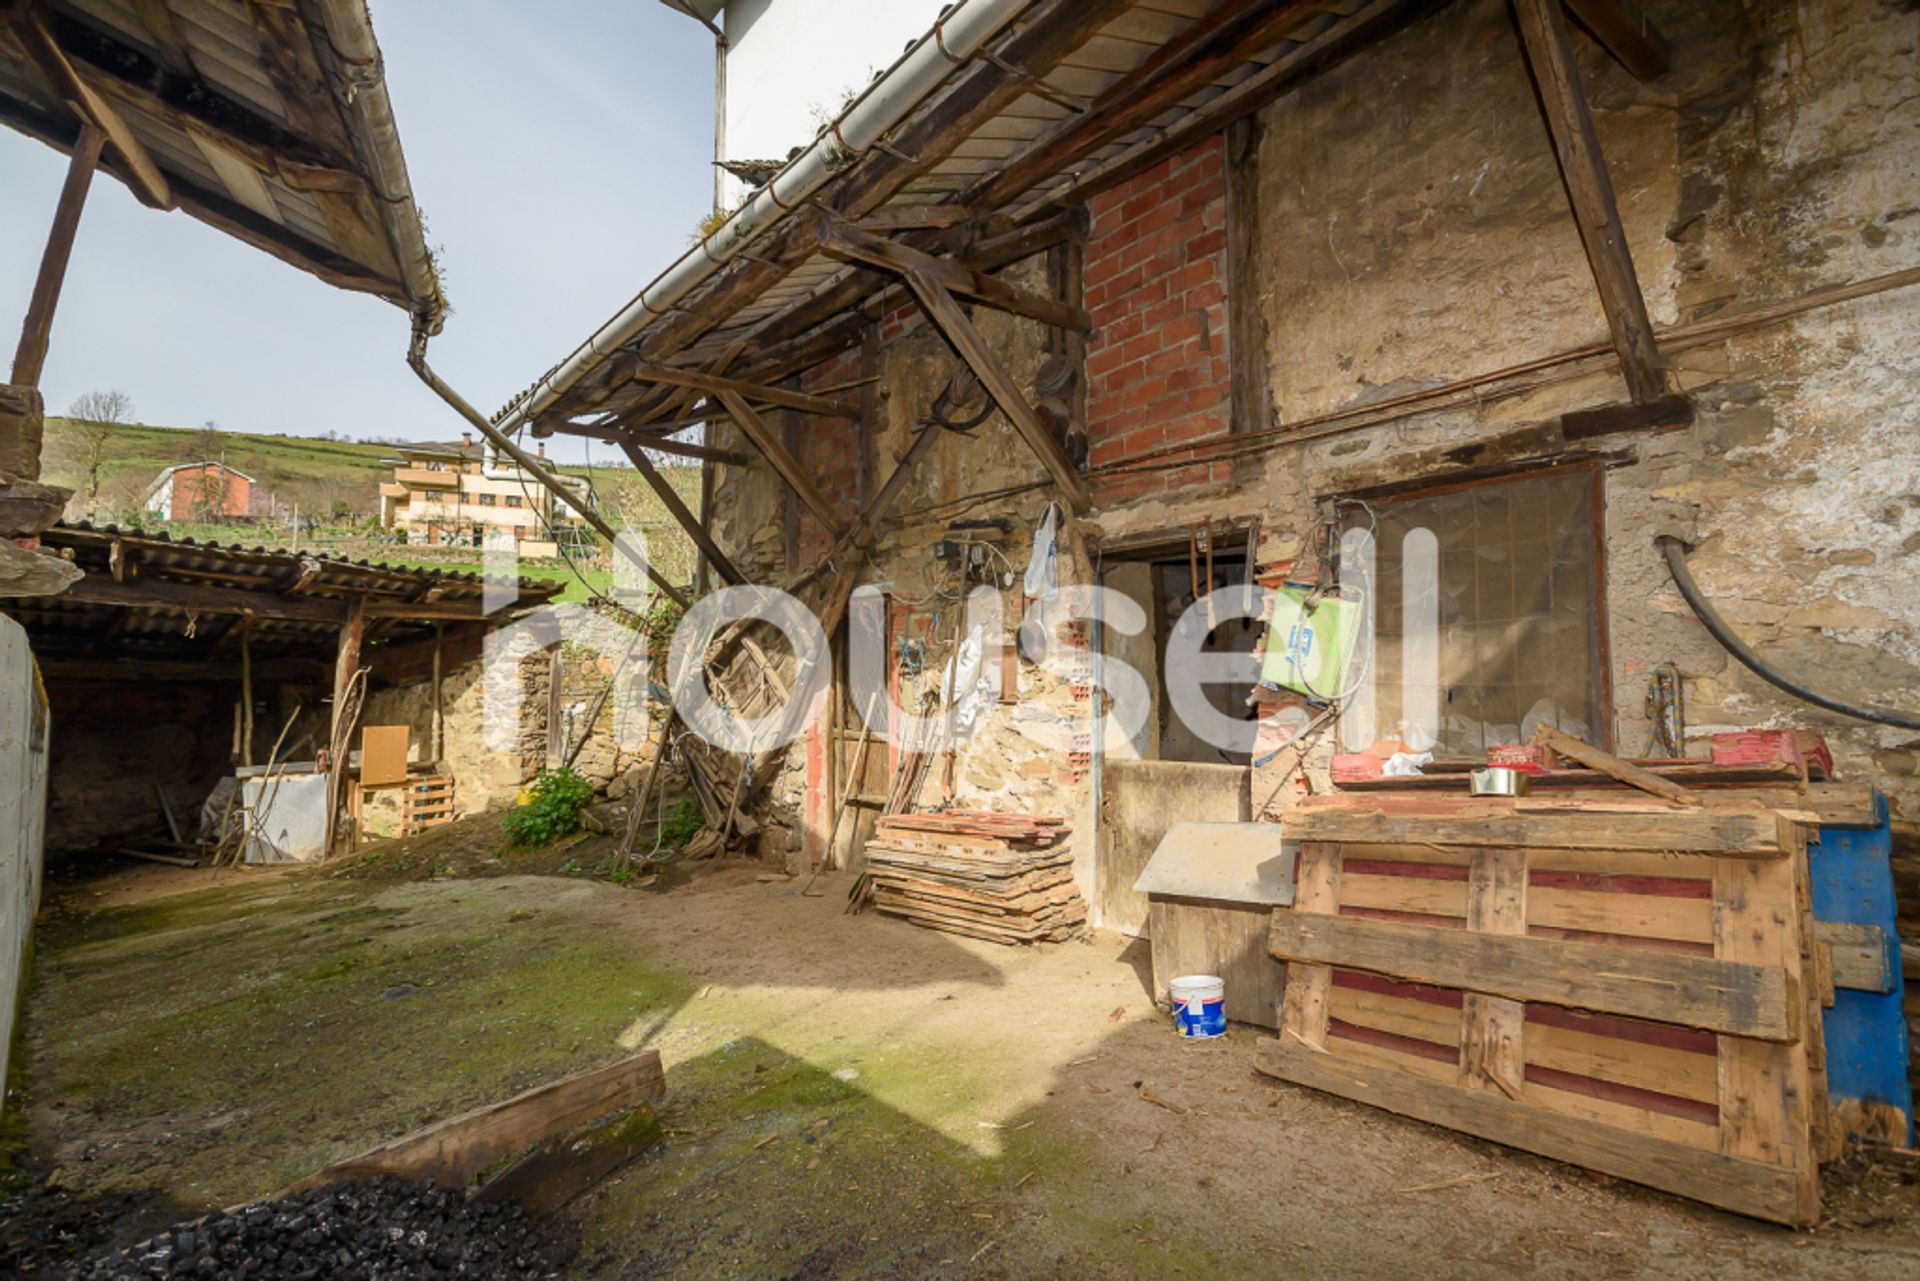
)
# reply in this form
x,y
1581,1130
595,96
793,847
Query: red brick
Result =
x,y
1207,243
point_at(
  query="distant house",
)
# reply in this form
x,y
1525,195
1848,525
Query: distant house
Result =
x,y
450,494
199,491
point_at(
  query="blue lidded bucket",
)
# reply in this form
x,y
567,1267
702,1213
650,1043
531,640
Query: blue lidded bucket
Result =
x,y
1199,1006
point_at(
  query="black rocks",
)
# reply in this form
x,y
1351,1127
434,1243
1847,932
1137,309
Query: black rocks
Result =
x,y
374,1231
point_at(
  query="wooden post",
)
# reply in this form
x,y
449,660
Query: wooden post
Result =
x,y
770,445
439,715
974,349
556,709
1251,401
1549,52
246,697
706,517
710,552
1492,1052
347,659
30,357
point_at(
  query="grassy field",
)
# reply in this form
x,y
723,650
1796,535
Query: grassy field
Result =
x,y
338,480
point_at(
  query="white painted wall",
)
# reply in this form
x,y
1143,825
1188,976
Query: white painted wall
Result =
x,y
23,816
792,64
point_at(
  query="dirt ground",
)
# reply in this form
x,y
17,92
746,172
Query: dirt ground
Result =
x,y
848,1096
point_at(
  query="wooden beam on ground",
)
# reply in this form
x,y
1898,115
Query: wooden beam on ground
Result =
x,y
1564,744
946,315
1549,53
769,444
1736,998
455,1151
670,498
1624,31
149,185
202,598
1741,834
854,244
30,356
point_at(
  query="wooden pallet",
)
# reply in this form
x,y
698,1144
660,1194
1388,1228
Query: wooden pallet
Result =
x,y
1638,993
425,801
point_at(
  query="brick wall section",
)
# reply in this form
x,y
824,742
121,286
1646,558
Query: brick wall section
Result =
x,y
829,448
1156,279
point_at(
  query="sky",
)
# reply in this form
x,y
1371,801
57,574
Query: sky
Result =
x,y
561,153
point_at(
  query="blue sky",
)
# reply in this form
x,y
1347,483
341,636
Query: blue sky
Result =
x,y
560,152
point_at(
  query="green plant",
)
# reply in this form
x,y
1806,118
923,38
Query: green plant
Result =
x,y
678,827
552,811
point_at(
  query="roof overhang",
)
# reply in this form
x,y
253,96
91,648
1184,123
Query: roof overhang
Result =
x,y
268,121
981,143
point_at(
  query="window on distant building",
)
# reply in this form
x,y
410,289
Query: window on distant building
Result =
x,y
1514,634
486,500
513,500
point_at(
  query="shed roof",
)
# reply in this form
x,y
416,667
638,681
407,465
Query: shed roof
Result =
x,y
268,121
1065,99
148,599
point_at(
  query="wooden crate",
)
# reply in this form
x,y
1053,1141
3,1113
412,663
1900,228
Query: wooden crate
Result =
x,y
1635,992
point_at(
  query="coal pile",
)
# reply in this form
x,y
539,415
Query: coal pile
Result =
x,y
383,1228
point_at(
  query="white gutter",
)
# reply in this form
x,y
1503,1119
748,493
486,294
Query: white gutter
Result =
x,y
884,104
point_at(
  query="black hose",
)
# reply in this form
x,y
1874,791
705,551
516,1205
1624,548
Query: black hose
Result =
x,y
1676,554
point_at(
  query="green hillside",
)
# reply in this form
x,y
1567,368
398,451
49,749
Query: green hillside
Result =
x,y
336,482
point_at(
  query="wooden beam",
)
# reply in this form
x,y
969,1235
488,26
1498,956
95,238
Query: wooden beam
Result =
x,y
979,91
670,498
143,175
455,1151
203,598
1549,53
1743,834
30,357
1564,744
615,434
1251,400
720,386
1215,45
1366,26
946,315
188,668
854,244
770,445
1736,998
1624,31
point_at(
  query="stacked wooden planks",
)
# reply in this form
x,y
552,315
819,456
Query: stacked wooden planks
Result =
x,y
1635,988
1007,878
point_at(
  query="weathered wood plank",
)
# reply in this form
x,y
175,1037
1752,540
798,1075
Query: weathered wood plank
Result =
x,y
202,598
1491,1027
755,428
855,244
1303,1012
1612,766
721,386
143,176
1738,998
1733,1183
1861,955
453,1151
1746,834
1626,32
30,355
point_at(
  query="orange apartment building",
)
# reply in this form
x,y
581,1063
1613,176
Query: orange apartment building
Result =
x,y
454,495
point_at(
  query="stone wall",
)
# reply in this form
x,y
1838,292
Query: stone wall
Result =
x,y
1420,245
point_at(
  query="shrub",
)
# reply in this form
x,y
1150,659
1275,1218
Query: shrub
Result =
x,y
678,827
553,810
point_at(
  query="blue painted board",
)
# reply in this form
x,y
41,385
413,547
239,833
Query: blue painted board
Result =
x,y
1866,1031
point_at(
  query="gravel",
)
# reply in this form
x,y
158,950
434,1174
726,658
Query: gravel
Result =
x,y
383,1228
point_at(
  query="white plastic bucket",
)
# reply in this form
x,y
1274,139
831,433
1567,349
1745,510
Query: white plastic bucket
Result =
x,y
1199,1006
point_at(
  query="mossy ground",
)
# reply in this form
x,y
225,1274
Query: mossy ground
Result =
x,y
847,1096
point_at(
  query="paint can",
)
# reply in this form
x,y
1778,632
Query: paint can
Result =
x,y
1199,1006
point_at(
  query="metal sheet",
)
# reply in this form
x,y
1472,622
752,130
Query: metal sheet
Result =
x,y
1227,862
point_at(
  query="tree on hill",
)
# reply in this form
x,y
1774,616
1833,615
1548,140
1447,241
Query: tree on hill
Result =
x,y
87,442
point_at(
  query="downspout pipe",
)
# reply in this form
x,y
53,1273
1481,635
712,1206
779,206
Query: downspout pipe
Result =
x,y
955,38
1676,554
417,358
